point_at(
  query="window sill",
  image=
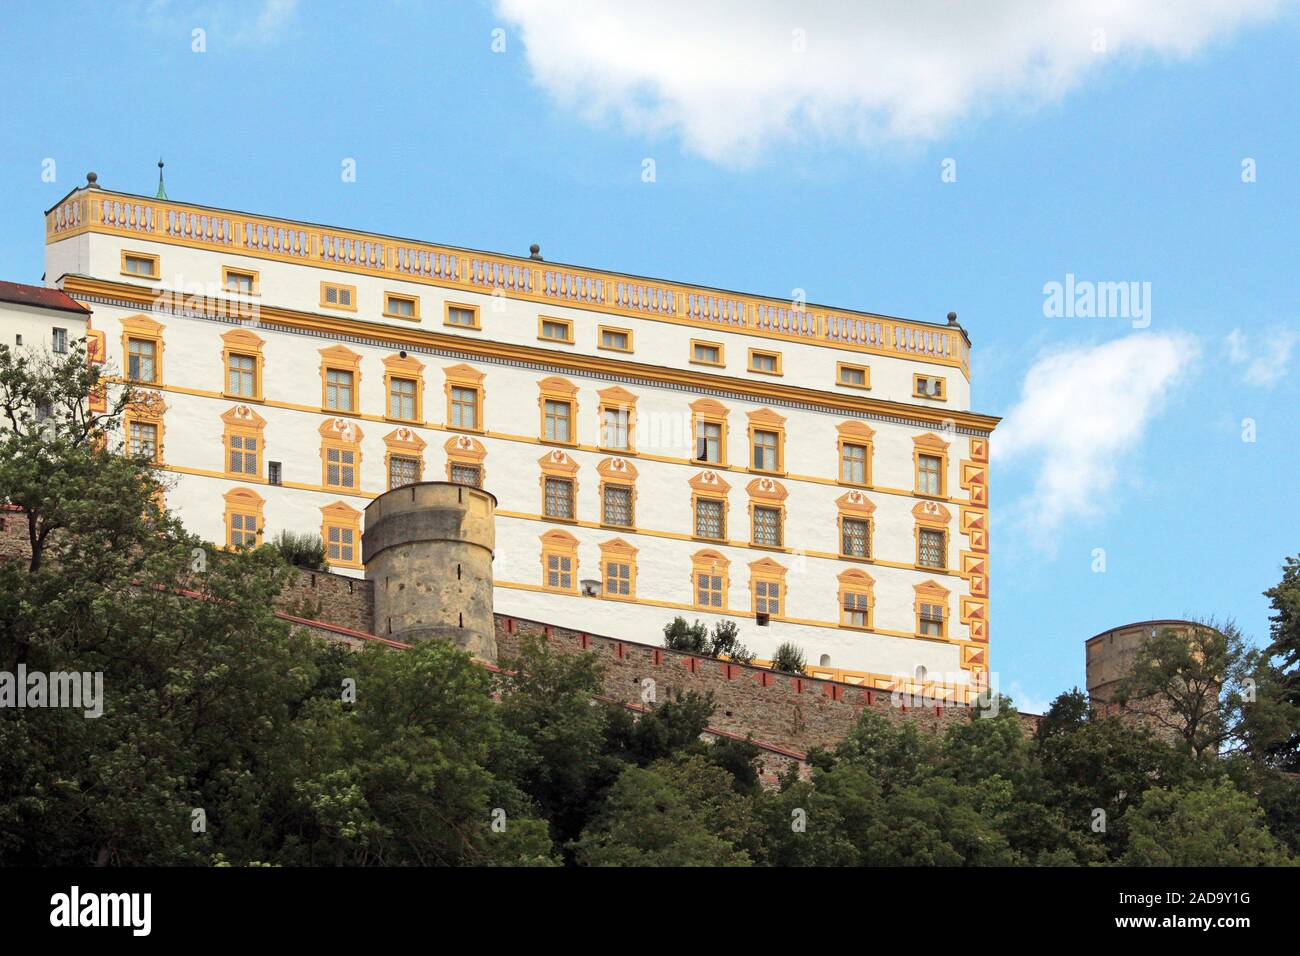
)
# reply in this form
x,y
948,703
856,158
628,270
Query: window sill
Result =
x,y
136,275
557,444
466,431
546,517
257,400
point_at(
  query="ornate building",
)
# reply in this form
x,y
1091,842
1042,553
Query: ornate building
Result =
x,y
814,474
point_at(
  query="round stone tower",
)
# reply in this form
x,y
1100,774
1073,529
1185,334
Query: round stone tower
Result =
x,y
427,550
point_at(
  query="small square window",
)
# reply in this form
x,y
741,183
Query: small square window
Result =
x,y
462,316
766,363
239,281
402,307
335,296
467,474
928,386
402,471
854,376
615,340
141,265
555,330
60,343
706,353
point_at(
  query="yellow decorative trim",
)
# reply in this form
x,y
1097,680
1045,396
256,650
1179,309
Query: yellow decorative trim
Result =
x,y
145,329
406,369
713,564
934,446
563,547
919,389
708,486
766,420
557,465
147,408
616,551
346,520
621,473
617,399
243,422
855,506
553,388
853,583
466,377
465,450
241,342
767,571
931,592
341,435
857,434
340,358
246,502
403,443
707,411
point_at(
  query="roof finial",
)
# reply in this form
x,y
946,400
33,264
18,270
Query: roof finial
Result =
x,y
534,251
162,192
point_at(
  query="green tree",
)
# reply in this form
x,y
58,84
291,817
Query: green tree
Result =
x,y
1283,656
1204,824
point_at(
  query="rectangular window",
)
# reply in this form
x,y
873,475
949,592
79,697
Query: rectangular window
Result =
x,y
464,407
614,429
930,549
237,280
141,360
856,608
765,448
768,363
140,264
709,518
555,330
932,620
559,572
243,455
462,316
559,498
708,441
854,376
467,474
855,538
241,376
401,399
767,597
706,353
402,471
401,306
341,546
335,296
617,506
340,468
60,344
929,474
618,579
273,472
767,527
708,589
243,530
927,386
142,440
853,464
338,390
616,340
555,420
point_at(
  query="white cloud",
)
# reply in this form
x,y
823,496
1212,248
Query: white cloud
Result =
x,y
229,22
1080,411
1265,363
726,76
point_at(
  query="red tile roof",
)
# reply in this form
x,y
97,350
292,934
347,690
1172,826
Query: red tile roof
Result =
x,y
40,297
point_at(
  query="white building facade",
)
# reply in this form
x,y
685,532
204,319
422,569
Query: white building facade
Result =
x,y
656,449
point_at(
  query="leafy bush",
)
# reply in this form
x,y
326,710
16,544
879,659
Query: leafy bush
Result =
x,y
788,659
680,636
302,550
726,643
695,639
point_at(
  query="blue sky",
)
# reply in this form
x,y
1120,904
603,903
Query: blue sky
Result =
x,y
819,169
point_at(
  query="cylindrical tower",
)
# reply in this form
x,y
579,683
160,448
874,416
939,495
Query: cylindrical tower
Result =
x,y
427,548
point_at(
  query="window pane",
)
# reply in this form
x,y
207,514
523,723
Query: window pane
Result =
x,y
556,420
931,549
855,542
765,450
853,464
559,498
338,390
767,527
708,441
467,474
929,467
402,471
401,399
464,408
614,431
459,316
618,506
708,518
